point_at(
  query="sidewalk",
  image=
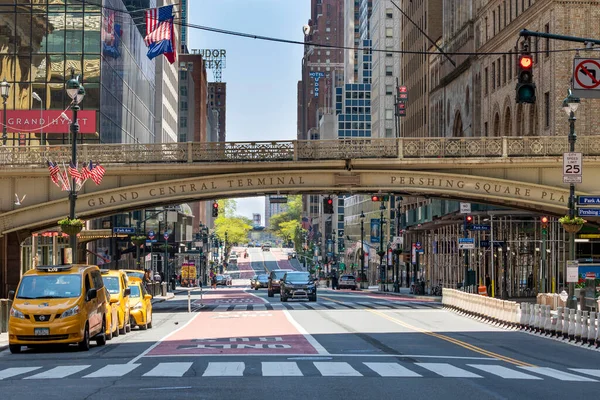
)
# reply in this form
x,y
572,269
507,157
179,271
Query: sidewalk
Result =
x,y
3,341
404,292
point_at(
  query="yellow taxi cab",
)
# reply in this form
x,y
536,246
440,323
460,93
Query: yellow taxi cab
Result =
x,y
58,304
140,302
112,317
116,283
135,273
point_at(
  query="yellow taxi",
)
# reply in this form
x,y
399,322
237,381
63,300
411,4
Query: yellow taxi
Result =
x,y
140,302
116,283
135,273
112,317
58,304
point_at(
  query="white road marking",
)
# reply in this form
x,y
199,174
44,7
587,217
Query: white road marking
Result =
x,y
241,307
225,369
336,369
391,369
280,369
503,372
113,370
447,370
170,369
59,372
320,349
557,374
592,372
10,372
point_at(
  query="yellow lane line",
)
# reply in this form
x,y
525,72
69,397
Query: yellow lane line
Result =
x,y
457,342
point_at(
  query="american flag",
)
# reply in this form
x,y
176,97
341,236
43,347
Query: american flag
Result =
x,y
160,33
97,173
305,223
74,172
85,172
64,180
53,169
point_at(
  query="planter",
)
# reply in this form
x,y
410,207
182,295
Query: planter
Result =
x,y
71,230
138,241
572,228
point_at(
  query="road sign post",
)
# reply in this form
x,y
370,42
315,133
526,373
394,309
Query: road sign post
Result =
x,y
586,78
572,168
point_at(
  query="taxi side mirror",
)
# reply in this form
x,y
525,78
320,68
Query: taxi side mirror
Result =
x,y
11,294
148,297
91,294
113,300
126,292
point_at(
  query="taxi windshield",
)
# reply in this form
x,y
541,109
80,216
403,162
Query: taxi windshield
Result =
x,y
135,291
49,287
111,283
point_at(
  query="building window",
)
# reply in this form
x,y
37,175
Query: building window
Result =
x,y
389,114
389,70
389,32
499,72
503,70
183,106
389,13
493,76
547,110
183,122
389,89
388,132
183,90
547,40
494,22
485,128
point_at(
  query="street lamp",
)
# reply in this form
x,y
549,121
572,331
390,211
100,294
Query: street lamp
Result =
x,y
362,248
76,92
38,98
570,105
381,252
4,89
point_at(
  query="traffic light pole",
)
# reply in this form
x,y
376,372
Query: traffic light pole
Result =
x,y
525,33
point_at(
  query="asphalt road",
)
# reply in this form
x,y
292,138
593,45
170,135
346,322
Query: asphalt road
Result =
x,y
238,343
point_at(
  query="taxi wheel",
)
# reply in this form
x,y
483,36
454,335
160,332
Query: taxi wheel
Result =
x,y
122,330
116,332
84,345
14,348
128,327
109,335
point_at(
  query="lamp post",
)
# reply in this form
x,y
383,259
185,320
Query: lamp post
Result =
x,y
362,248
381,252
38,98
4,89
76,92
570,105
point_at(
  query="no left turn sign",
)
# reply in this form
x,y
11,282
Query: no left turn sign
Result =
x,y
586,74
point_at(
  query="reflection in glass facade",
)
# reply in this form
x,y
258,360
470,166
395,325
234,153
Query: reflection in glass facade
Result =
x,y
41,40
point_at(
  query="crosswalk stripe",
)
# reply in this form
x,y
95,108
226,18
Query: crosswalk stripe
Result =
x,y
224,369
113,370
447,370
169,369
59,372
221,308
336,369
259,307
592,372
241,307
560,375
391,369
503,372
10,372
280,369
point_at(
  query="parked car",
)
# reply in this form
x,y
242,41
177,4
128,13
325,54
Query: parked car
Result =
x,y
347,282
221,280
298,285
116,283
228,280
259,281
112,317
266,247
233,258
274,278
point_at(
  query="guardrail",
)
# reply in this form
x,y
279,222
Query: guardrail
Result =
x,y
5,305
499,312
300,150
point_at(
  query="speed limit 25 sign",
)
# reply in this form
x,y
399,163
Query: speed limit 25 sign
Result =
x,y
572,168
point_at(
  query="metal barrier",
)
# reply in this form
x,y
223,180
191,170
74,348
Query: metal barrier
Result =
x,y
5,305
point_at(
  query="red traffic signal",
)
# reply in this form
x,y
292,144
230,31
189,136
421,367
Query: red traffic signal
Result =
x,y
215,210
215,205
329,201
544,220
374,198
525,61
469,218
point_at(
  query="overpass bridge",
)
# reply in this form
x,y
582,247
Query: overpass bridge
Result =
x,y
519,172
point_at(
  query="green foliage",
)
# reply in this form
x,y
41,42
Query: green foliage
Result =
x,y
571,221
237,227
227,208
71,222
286,225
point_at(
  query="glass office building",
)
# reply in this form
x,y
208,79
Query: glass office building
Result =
x,y
41,41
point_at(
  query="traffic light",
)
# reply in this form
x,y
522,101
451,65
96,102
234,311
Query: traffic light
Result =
x,y
215,210
468,219
379,197
525,86
544,222
328,205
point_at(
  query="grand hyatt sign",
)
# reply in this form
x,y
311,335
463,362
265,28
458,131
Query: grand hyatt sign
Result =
x,y
457,186
48,121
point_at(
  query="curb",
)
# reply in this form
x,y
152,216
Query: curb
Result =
x,y
412,296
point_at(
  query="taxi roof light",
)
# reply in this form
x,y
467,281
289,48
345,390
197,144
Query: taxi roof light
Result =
x,y
53,268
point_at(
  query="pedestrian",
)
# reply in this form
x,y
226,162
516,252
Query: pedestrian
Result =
x,y
213,281
488,284
334,279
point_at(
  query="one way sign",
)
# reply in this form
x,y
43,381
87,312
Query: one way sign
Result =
x,y
586,77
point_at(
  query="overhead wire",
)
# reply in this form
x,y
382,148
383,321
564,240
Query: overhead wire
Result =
x,y
323,45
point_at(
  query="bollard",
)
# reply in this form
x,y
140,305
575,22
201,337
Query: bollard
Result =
x,y
533,310
559,322
548,326
543,317
567,323
523,319
592,329
577,334
536,318
571,324
584,327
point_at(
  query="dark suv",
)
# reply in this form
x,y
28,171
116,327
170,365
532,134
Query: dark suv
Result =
x,y
298,285
274,278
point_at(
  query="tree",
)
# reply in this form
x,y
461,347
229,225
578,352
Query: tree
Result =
x,y
236,226
286,225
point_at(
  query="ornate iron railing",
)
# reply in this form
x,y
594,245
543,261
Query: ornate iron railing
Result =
x,y
293,150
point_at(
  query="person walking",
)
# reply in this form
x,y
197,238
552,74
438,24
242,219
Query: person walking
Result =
x,y
488,284
334,280
213,281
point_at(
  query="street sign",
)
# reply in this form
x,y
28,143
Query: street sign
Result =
x,y
588,212
466,243
586,78
398,240
418,245
589,236
572,271
465,208
166,236
486,243
126,230
572,167
151,234
149,242
588,200
476,227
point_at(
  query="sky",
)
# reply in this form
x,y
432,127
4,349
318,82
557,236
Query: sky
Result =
x,y
261,76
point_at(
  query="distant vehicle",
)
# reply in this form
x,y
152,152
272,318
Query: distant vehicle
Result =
x,y
298,285
250,245
347,281
259,281
233,258
274,279
221,280
291,254
266,247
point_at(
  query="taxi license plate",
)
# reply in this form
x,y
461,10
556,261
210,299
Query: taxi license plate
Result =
x,y
41,331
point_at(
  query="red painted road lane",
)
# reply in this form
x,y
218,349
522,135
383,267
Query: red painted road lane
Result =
x,y
229,297
247,332
282,259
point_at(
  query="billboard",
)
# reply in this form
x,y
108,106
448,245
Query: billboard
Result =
x,y
48,121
